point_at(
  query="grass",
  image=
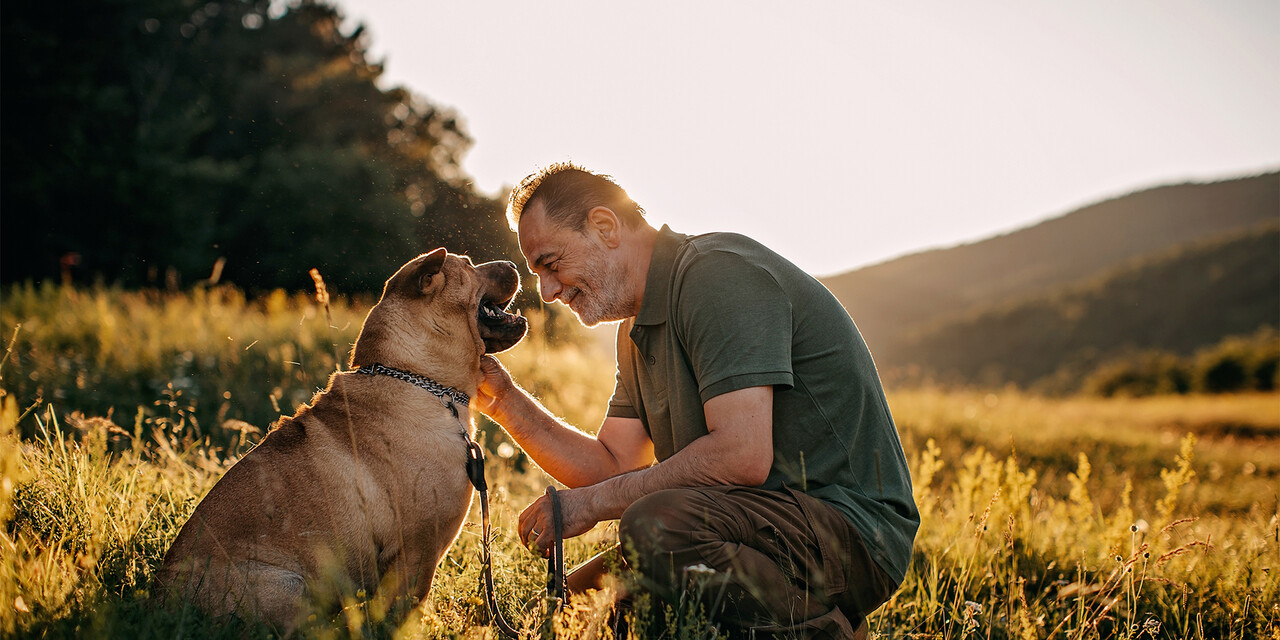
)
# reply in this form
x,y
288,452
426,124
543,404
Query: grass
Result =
x,y
1043,518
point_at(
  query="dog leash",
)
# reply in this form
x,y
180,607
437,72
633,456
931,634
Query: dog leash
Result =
x,y
475,472
557,586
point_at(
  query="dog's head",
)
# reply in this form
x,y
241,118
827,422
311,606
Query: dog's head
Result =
x,y
441,305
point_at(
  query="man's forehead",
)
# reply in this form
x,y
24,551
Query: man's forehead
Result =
x,y
531,232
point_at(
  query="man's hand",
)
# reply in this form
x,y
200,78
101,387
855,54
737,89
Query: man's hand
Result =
x,y
537,525
494,386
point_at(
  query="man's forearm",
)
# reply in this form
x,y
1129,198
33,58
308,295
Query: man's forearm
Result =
x,y
567,454
715,459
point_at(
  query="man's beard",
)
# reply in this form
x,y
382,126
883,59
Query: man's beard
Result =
x,y
605,299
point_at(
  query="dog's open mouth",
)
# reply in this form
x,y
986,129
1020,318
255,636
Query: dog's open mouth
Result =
x,y
499,330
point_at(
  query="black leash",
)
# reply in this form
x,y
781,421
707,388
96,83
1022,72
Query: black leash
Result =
x,y
557,587
557,584
475,471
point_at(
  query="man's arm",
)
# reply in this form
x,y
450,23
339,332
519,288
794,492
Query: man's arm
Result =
x,y
569,455
737,450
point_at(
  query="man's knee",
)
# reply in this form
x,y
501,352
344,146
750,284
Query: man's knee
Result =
x,y
656,523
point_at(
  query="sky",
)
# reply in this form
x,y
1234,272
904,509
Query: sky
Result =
x,y
845,133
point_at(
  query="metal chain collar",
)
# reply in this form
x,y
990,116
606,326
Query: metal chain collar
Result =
x,y
448,395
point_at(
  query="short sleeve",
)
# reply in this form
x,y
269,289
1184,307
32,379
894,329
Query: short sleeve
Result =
x,y
735,322
620,405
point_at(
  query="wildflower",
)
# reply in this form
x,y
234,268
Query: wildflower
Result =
x,y
700,569
971,612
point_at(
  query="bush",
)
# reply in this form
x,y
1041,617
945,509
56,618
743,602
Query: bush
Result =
x,y
1148,373
1239,363
1222,372
1236,364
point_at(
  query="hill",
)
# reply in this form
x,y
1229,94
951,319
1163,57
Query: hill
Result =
x,y
1178,301
1078,286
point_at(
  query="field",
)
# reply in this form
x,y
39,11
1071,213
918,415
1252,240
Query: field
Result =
x,y
1043,517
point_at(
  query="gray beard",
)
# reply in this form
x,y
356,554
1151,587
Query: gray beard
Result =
x,y
606,298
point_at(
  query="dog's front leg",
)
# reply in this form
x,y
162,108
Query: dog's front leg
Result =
x,y
404,585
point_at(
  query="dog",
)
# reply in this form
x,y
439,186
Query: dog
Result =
x,y
366,487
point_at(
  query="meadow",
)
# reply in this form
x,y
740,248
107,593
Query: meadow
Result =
x,y
1075,517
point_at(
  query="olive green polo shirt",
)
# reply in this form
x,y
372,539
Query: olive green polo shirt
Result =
x,y
722,312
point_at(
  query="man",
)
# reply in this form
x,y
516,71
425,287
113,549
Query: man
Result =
x,y
778,465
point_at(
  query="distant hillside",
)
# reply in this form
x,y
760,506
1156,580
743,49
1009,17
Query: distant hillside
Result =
x,y
901,295
1178,301
1172,268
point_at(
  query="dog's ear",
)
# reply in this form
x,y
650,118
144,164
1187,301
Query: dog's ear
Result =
x,y
431,265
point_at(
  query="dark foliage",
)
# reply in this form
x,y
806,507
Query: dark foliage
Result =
x,y
1238,363
146,140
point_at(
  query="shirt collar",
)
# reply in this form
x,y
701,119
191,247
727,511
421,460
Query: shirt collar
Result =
x,y
657,285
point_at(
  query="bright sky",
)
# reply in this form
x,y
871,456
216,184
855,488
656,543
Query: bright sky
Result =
x,y
844,132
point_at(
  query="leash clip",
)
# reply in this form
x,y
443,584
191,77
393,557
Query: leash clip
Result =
x,y
475,466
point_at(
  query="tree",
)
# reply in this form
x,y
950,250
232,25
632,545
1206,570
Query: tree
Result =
x,y
157,136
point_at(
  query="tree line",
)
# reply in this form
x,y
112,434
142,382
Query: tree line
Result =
x,y
1236,364
154,142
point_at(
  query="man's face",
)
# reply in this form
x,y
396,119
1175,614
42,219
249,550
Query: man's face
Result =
x,y
574,268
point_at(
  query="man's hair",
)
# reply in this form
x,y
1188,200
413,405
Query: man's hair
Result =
x,y
567,192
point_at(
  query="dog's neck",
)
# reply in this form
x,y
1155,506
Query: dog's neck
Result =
x,y
451,362
451,396
430,369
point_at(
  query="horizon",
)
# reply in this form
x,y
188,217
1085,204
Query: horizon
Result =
x,y
1073,209
901,129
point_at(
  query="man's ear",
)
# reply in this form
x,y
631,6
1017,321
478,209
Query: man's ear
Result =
x,y
603,222
431,265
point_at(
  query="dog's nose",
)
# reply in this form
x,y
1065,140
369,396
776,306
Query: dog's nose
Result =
x,y
502,274
501,265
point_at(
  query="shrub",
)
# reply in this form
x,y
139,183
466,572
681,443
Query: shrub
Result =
x,y
1236,364
1148,373
1239,363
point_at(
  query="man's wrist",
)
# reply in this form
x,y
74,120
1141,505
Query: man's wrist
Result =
x,y
607,500
503,406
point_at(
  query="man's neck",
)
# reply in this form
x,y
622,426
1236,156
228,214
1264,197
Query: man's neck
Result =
x,y
644,239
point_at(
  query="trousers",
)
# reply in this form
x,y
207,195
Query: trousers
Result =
x,y
766,564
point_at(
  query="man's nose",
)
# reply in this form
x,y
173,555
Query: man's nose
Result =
x,y
549,287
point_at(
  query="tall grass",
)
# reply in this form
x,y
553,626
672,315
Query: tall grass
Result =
x,y
212,354
1069,518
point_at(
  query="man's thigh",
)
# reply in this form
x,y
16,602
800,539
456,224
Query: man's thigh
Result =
x,y
786,557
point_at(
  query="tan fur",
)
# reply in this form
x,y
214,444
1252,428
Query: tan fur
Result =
x,y
365,488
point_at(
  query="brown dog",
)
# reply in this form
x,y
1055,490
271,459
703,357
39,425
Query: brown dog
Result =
x,y
365,488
